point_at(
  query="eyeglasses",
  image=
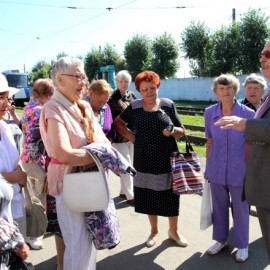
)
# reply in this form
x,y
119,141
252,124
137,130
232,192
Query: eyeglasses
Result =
x,y
266,54
80,78
152,88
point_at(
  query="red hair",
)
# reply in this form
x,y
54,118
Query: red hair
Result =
x,y
148,76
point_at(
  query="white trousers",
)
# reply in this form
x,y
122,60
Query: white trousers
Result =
x,y
80,253
127,150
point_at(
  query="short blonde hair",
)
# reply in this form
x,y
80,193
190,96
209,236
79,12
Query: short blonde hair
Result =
x,y
100,87
43,87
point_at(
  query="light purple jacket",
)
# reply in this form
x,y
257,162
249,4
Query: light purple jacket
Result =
x,y
226,164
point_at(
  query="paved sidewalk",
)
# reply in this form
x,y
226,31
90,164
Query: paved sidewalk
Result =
x,y
132,254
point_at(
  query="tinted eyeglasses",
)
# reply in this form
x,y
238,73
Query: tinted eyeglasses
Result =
x,y
266,54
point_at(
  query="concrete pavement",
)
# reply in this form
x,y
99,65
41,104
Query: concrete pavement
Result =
x,y
132,254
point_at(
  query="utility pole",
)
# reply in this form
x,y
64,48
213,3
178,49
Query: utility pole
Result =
x,y
233,15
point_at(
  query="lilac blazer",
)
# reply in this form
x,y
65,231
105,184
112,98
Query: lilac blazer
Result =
x,y
226,164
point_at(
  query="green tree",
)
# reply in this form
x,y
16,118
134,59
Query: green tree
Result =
x,y
40,70
138,54
165,56
195,39
254,29
97,58
61,54
234,49
221,51
93,61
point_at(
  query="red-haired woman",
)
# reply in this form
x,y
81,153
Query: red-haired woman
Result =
x,y
157,125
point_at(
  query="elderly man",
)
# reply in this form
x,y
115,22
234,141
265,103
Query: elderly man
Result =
x,y
257,180
255,87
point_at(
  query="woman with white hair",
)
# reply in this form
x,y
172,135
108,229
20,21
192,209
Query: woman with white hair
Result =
x,y
118,102
255,86
66,124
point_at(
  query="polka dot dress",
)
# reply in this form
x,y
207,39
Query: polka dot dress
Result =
x,y
152,158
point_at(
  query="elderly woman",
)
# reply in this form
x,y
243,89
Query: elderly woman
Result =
x,y
34,157
10,174
255,87
98,96
118,102
153,145
225,168
66,124
257,188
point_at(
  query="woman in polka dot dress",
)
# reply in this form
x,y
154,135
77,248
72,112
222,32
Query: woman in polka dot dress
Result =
x,y
157,125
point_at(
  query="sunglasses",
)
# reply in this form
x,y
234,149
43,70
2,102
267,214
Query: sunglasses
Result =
x,y
266,54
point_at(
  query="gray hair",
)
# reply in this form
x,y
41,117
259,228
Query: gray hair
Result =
x,y
64,65
123,74
226,79
254,78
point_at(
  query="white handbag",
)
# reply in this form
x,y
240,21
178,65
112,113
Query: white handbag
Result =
x,y
86,191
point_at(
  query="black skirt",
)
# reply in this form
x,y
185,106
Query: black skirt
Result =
x,y
151,202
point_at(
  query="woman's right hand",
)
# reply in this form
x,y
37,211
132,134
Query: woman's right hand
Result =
x,y
21,176
18,176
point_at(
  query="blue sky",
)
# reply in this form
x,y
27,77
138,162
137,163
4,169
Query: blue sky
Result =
x,y
34,30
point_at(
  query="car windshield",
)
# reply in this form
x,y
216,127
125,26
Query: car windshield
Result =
x,y
17,80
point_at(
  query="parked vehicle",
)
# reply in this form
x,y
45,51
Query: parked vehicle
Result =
x,y
18,80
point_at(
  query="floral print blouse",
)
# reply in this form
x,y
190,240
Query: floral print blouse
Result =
x,y
33,147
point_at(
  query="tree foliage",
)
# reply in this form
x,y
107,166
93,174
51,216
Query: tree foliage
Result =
x,y
195,39
138,54
165,56
40,70
93,61
232,49
97,58
254,31
221,51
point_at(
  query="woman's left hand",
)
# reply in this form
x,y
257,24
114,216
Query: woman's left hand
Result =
x,y
168,133
22,252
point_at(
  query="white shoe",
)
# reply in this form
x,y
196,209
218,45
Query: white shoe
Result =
x,y
216,248
34,243
182,242
241,255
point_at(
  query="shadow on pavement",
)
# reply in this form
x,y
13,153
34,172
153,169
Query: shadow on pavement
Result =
x,y
225,260
47,265
129,260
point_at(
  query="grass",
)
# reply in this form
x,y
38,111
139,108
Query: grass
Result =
x,y
197,120
199,149
194,104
